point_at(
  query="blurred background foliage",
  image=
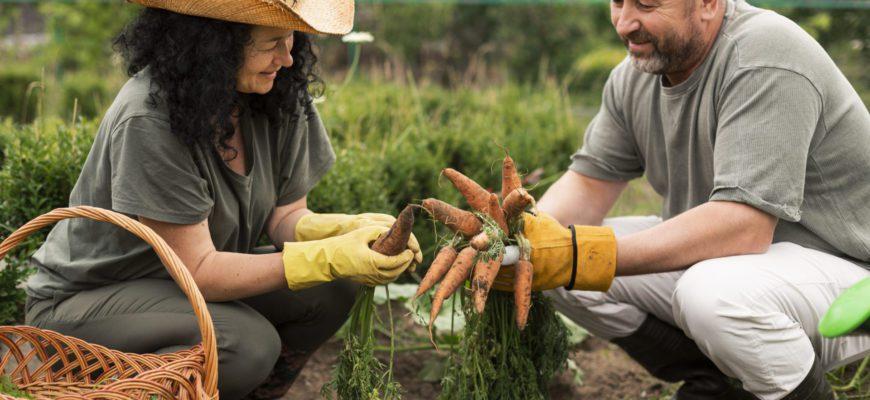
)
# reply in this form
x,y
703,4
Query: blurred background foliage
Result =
x,y
444,43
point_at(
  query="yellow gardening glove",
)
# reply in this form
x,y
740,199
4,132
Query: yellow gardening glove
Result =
x,y
553,256
346,256
321,226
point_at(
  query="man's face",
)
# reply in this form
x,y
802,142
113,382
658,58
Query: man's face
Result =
x,y
662,36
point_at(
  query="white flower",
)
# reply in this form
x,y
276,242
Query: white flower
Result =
x,y
358,37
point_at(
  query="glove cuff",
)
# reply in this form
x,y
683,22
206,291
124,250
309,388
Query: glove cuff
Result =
x,y
304,266
594,259
299,234
570,284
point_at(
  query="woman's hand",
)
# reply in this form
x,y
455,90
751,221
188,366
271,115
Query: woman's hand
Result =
x,y
321,226
346,256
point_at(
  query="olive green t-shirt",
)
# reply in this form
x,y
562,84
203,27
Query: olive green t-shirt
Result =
x,y
138,167
767,120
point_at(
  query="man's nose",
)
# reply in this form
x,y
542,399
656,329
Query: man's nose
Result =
x,y
626,20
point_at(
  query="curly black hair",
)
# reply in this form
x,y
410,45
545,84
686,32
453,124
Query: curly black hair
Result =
x,y
193,63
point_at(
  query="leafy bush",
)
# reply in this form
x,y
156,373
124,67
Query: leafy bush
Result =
x,y
41,165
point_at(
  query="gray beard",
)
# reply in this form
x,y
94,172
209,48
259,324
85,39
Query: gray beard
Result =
x,y
656,63
668,60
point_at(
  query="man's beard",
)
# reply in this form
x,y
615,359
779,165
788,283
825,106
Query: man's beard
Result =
x,y
669,54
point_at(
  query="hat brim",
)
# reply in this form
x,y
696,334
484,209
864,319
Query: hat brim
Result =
x,y
332,17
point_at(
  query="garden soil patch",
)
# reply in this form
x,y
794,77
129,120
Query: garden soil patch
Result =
x,y
608,373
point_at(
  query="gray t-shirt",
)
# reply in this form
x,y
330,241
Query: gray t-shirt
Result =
x,y
138,167
767,120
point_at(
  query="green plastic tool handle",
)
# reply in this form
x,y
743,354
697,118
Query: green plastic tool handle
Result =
x,y
848,312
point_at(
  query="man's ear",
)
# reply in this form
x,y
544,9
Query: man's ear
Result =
x,y
710,8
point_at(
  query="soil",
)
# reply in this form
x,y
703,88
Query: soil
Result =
x,y
607,372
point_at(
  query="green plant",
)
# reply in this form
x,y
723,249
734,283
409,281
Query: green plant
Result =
x,y
358,374
7,387
498,361
852,381
41,165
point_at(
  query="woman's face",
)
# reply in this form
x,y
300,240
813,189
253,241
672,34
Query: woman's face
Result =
x,y
268,52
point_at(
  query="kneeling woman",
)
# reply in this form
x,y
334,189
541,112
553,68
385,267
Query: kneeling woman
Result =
x,y
214,143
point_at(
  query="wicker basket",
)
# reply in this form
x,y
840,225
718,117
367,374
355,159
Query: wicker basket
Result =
x,y
48,365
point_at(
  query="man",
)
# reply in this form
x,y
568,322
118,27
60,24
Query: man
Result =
x,y
760,149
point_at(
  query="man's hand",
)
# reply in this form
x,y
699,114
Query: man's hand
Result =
x,y
578,257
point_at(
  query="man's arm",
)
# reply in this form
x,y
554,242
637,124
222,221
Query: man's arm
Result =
x,y
576,199
224,276
712,230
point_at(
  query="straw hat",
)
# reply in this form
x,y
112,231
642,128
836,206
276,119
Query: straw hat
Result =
x,y
312,16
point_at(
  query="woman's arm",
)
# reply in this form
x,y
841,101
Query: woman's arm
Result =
x,y
281,226
223,276
220,276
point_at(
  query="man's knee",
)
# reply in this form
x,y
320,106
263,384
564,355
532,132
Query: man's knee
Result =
x,y
248,346
716,299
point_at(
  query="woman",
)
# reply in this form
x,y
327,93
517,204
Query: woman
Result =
x,y
214,143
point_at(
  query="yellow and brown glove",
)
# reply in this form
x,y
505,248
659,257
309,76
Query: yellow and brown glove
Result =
x,y
348,256
321,226
577,257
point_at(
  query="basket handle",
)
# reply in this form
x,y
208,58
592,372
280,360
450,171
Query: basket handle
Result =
x,y
176,268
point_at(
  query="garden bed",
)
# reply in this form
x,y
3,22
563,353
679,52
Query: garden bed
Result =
x,y
607,372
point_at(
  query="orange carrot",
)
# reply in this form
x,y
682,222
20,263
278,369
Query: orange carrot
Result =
x,y
458,220
523,292
510,180
436,271
516,202
454,278
476,196
484,273
480,242
395,241
497,213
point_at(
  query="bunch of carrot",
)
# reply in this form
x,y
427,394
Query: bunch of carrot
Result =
x,y
495,359
358,374
477,250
